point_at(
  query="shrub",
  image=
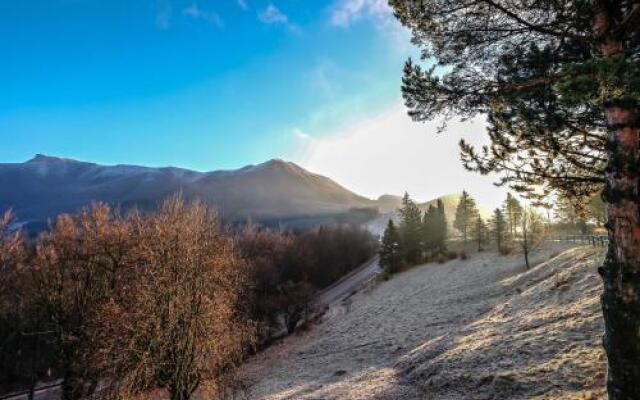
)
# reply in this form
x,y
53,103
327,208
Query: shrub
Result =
x,y
507,248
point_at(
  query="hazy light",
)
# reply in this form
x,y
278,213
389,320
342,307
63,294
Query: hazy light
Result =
x,y
389,153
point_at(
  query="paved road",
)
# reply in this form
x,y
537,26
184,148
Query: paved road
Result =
x,y
345,286
46,393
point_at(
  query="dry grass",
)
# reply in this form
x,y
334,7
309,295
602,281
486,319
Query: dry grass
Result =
x,y
482,328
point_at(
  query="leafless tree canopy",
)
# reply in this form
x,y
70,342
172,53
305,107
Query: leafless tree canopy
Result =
x,y
134,303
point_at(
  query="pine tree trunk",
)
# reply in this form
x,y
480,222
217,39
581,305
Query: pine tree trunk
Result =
x,y
621,269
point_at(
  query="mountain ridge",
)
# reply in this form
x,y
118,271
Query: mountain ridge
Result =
x,y
44,186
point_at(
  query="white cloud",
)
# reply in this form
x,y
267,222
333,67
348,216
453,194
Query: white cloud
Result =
x,y
243,4
301,135
195,12
389,153
272,15
163,13
345,12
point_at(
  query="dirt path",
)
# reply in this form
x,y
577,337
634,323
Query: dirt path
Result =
x,y
475,329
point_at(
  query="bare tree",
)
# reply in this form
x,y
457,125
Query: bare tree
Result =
x,y
533,233
180,323
12,252
74,272
295,302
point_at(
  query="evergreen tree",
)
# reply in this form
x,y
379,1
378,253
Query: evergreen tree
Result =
x,y
571,213
430,230
434,229
411,230
499,229
466,215
390,249
560,84
441,228
480,233
512,210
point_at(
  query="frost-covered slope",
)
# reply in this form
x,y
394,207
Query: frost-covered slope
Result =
x,y
477,329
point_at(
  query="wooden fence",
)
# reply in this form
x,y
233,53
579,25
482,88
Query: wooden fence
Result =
x,y
594,240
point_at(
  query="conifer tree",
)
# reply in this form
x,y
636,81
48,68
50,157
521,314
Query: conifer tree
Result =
x,y
512,210
499,229
480,233
571,212
441,228
430,230
466,215
434,229
411,230
560,84
390,249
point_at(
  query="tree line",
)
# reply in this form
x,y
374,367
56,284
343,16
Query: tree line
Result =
x,y
422,237
170,300
510,226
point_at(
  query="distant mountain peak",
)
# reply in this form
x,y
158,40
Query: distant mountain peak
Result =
x,y
388,196
278,162
43,158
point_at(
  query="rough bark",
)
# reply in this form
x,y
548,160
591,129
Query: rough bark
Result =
x,y
621,269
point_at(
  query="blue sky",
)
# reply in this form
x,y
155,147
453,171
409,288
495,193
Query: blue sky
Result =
x,y
218,84
202,84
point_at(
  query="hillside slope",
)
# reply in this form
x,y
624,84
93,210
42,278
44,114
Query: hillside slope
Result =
x,y
477,329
